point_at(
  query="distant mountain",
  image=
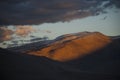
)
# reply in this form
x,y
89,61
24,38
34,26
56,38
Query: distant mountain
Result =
x,y
31,46
72,46
115,37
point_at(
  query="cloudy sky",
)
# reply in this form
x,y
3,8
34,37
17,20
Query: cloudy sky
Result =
x,y
21,19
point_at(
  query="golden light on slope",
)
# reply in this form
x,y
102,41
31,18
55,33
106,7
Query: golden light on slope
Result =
x,y
74,48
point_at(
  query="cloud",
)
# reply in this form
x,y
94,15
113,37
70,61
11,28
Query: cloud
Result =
x,y
27,12
23,31
5,34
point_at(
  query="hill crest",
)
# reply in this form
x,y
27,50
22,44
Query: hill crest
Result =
x,y
72,46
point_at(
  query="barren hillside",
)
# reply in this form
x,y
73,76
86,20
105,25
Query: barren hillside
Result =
x,y
73,46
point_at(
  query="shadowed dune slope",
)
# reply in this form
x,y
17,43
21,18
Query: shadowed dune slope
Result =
x,y
73,46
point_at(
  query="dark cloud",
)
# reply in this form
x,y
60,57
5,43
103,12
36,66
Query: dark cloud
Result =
x,y
24,12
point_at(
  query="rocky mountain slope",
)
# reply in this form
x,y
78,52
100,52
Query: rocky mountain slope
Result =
x,y
72,46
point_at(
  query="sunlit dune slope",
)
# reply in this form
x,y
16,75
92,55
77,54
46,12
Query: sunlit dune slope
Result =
x,y
72,46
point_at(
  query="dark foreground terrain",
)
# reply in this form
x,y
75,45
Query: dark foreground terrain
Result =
x,y
100,65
